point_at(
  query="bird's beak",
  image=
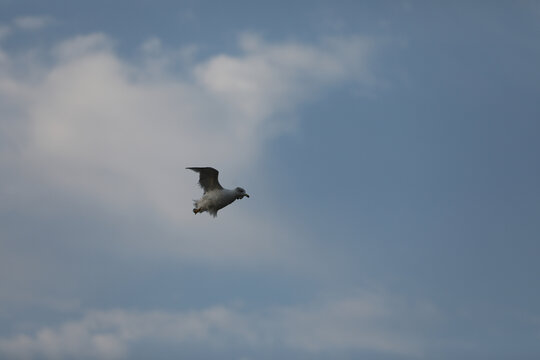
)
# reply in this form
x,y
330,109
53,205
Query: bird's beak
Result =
x,y
246,195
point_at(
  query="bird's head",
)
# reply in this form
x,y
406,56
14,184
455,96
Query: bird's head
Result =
x,y
240,193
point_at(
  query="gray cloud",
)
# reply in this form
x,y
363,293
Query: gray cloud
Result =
x,y
372,322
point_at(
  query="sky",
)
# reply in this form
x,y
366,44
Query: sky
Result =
x,y
390,149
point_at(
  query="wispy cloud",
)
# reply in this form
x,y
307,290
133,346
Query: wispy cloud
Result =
x,y
369,322
32,22
82,46
5,30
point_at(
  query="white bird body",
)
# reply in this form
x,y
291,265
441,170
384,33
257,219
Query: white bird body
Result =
x,y
214,200
215,197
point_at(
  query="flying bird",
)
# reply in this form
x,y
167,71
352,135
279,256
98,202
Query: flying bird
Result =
x,y
215,197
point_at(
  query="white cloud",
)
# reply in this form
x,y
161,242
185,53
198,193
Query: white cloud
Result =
x,y
118,134
364,322
272,78
32,22
109,131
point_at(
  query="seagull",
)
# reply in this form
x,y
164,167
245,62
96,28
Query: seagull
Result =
x,y
215,197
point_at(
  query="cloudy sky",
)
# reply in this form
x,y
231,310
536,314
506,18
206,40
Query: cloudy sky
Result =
x,y
390,149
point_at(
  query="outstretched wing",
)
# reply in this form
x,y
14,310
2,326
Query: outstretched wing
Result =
x,y
208,178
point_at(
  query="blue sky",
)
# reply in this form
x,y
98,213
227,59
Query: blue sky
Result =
x,y
390,150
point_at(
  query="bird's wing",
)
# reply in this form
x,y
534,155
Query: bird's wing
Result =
x,y
208,178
